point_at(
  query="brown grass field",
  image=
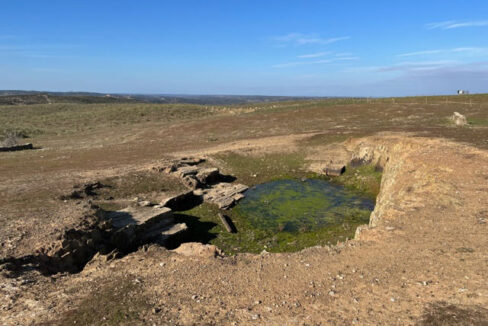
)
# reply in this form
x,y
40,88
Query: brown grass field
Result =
x,y
404,277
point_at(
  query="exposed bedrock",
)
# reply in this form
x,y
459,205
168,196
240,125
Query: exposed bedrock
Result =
x,y
418,173
110,233
206,183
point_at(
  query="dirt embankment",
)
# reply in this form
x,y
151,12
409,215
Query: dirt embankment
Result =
x,y
422,260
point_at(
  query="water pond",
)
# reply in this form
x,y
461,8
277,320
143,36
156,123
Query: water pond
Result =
x,y
296,206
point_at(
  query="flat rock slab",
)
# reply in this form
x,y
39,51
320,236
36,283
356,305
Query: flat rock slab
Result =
x,y
140,216
186,170
161,233
137,225
224,195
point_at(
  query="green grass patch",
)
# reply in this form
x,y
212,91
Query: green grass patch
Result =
x,y
68,118
481,122
252,170
205,226
364,180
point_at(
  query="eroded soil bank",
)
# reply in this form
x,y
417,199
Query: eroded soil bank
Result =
x,y
421,260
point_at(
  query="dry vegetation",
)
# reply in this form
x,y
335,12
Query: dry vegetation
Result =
x,y
114,142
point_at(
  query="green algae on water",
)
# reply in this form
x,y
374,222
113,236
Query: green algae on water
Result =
x,y
299,206
285,215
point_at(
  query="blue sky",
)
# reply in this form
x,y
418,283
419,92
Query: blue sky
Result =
x,y
316,48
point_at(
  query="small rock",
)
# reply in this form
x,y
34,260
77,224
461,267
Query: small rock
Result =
x,y
144,203
198,249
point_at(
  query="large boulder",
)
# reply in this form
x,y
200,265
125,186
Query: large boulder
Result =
x,y
208,176
459,119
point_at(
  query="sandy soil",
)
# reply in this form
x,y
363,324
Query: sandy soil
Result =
x,y
422,260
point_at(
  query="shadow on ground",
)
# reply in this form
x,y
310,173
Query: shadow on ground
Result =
x,y
198,231
446,314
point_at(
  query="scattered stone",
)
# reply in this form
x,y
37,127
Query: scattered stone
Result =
x,y
197,249
205,181
459,119
335,170
144,203
360,229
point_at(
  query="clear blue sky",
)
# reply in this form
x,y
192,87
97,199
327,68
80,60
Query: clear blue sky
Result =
x,y
327,48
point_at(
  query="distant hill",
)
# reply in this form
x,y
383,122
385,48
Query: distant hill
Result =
x,y
19,97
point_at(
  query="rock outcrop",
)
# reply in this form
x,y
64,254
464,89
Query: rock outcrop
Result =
x,y
108,233
136,225
459,119
204,181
